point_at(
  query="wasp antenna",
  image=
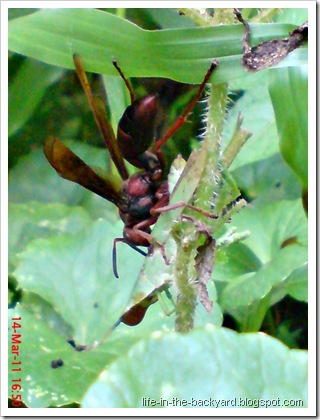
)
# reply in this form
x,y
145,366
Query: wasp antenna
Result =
x,y
126,81
114,256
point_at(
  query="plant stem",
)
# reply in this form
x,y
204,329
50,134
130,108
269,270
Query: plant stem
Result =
x,y
211,176
187,292
209,183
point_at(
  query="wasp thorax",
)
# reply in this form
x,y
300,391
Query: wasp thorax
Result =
x,y
137,185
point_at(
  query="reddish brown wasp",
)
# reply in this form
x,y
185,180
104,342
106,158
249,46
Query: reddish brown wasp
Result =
x,y
142,196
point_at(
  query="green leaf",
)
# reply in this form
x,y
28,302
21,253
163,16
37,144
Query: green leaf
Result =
x,y
74,272
256,108
53,35
41,343
22,100
45,312
289,94
259,167
220,364
45,334
269,178
296,284
15,13
236,260
277,246
245,289
36,220
118,98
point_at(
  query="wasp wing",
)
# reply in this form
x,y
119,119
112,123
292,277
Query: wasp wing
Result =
x,y
71,167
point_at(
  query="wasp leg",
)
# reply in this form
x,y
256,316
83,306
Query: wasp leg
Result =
x,y
180,204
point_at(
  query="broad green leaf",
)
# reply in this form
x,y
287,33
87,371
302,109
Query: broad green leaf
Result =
x,y
271,225
261,117
33,220
74,273
16,13
43,183
22,100
206,365
258,118
256,285
289,94
45,335
269,178
277,246
53,35
237,260
45,312
41,343
296,284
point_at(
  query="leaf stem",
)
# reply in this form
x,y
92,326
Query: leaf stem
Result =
x,y
187,292
211,176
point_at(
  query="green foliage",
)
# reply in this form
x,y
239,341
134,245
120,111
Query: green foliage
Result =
x,y
293,130
40,77
54,35
261,267
60,235
199,377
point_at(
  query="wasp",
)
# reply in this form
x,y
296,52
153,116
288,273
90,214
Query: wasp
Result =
x,y
140,197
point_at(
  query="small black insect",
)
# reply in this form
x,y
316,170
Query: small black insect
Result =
x,y
56,363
